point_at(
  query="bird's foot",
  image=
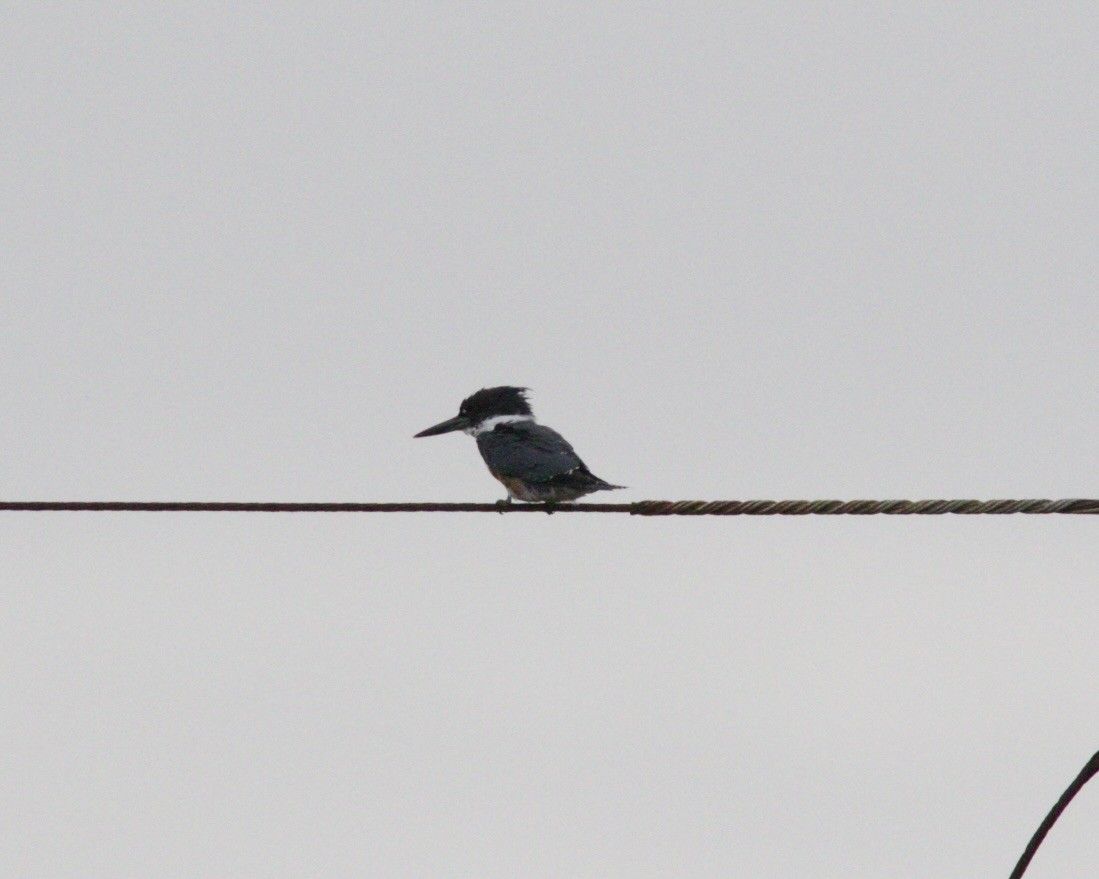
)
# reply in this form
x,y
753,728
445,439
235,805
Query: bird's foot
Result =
x,y
503,504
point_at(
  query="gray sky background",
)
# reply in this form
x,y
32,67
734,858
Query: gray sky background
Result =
x,y
756,250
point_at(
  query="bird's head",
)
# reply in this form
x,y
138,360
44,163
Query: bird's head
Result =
x,y
488,405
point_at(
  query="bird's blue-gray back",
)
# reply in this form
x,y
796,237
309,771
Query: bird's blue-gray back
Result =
x,y
527,450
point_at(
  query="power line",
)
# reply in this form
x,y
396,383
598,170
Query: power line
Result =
x,y
1077,506
638,508
1091,768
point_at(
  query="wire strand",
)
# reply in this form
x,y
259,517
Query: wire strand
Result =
x,y
1075,506
1091,768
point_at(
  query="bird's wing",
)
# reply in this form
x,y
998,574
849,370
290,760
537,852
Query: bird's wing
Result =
x,y
533,452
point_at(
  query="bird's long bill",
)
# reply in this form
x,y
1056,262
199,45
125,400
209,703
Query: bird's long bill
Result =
x,y
458,422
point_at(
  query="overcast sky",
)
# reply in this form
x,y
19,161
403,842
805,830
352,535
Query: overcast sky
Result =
x,y
751,250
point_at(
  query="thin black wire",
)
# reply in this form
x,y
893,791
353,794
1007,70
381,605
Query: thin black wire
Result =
x,y
1091,768
639,508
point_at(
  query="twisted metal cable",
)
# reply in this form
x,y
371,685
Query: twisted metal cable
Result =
x,y
860,507
639,508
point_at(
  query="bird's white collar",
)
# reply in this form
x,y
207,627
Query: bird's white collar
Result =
x,y
491,423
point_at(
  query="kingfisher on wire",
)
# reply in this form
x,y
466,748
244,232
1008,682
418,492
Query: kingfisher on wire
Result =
x,y
533,462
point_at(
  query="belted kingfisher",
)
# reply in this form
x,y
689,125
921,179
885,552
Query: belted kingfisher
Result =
x,y
534,462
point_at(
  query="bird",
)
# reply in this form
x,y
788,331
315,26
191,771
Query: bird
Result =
x,y
533,462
